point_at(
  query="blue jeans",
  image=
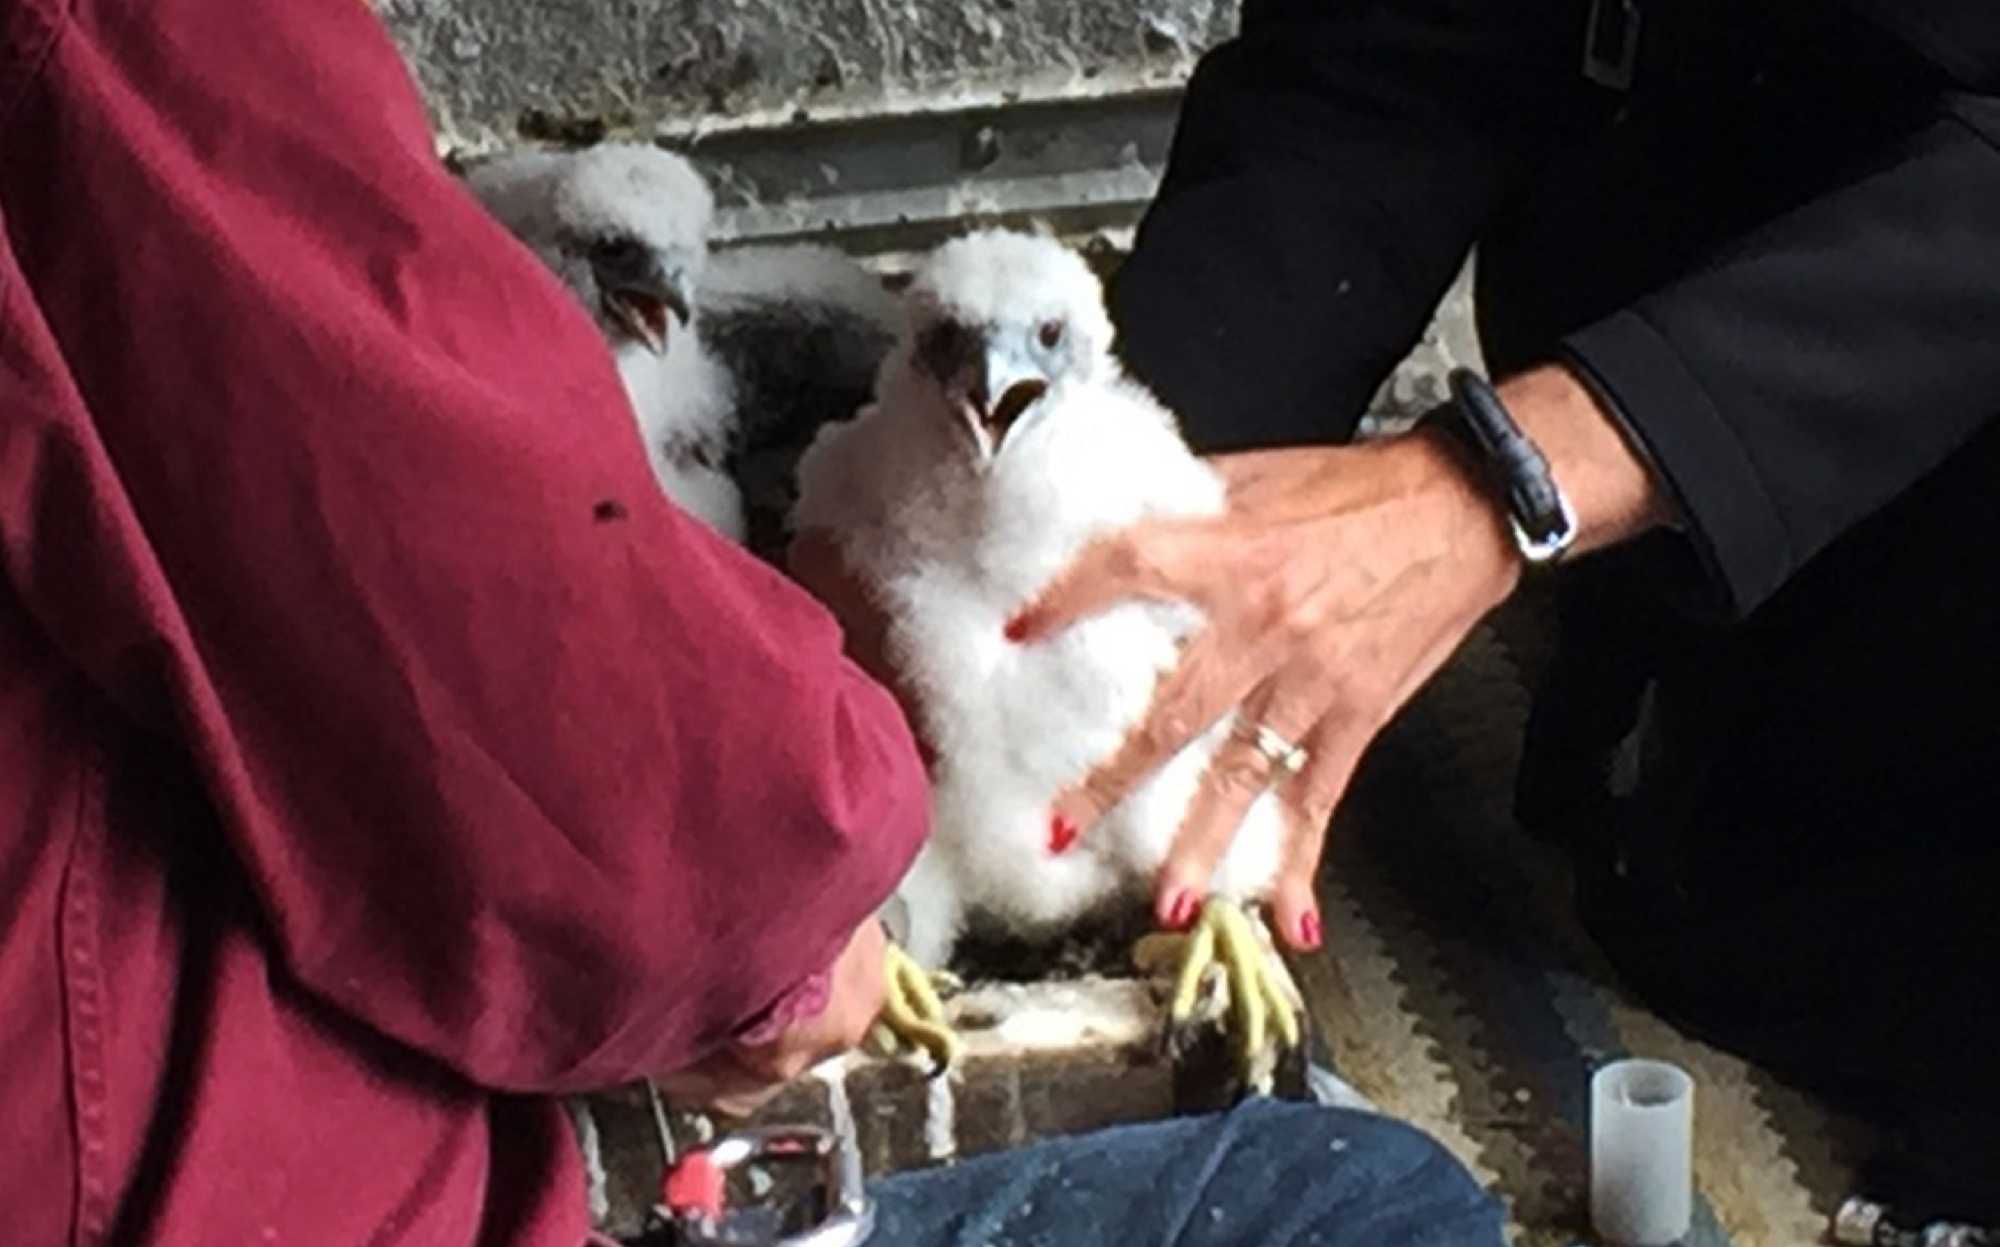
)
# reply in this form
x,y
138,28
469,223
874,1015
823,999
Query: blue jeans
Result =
x,y
1267,1174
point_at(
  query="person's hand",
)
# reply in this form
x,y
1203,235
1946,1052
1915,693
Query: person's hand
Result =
x,y
1338,580
740,1078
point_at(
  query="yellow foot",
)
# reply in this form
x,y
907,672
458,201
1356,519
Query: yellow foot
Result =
x,y
913,1015
1228,961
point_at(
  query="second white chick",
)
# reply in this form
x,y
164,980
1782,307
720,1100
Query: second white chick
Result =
x,y
1003,439
625,226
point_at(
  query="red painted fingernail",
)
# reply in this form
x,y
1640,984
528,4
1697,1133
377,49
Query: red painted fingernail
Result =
x,y
1016,628
1187,909
1309,932
1062,833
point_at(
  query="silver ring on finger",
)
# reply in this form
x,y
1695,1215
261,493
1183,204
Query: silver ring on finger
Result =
x,y
1283,755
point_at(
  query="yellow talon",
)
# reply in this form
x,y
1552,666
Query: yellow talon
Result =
x,y
1195,961
1241,958
913,1014
1262,998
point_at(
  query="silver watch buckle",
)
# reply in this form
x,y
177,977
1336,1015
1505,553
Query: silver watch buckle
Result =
x,y
1611,43
1545,549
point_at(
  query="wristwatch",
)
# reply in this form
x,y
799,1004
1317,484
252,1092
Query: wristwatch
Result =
x,y
1540,517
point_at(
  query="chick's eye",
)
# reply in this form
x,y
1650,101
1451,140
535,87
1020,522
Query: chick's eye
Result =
x,y
615,250
944,347
1051,334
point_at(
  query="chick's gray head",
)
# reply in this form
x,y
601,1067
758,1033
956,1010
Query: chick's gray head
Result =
x,y
1003,324
624,225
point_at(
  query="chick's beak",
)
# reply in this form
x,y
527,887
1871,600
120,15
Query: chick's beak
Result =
x,y
641,293
1005,385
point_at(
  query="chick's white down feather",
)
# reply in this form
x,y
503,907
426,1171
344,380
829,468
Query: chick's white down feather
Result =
x,y
954,535
649,210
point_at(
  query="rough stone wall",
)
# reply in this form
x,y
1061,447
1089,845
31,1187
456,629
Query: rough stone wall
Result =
x,y
495,70
1419,381
777,73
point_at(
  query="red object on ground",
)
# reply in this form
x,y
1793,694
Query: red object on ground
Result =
x,y
365,777
695,1185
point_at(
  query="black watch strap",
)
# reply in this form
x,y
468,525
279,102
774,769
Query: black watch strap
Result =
x,y
1543,523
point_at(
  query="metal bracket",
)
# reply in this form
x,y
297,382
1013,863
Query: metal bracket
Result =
x,y
1611,43
905,181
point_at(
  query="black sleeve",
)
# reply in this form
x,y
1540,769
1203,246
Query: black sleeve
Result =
x,y
1825,362
1332,168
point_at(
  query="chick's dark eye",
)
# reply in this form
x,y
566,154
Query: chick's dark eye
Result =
x,y
1051,334
945,347
615,250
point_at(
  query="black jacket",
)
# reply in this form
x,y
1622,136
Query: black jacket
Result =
x,y
1777,253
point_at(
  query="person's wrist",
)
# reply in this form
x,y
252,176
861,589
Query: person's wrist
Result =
x,y
1591,454
1472,521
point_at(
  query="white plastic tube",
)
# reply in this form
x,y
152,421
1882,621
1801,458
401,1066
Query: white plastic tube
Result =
x,y
1641,1153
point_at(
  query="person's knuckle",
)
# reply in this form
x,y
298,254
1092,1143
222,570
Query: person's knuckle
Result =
x,y
1164,734
1367,703
1312,673
1267,606
1154,562
1295,802
1321,787
1122,557
1313,820
1295,616
1299,622
1102,790
1238,776
1357,690
1316,806
1289,704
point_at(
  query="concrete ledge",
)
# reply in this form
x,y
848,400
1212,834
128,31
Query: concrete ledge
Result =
x,y
1042,1060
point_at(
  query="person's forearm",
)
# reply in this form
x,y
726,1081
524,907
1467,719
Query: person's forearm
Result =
x,y
1606,481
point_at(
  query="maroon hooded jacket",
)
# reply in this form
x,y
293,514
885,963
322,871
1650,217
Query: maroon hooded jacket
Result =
x,y
379,752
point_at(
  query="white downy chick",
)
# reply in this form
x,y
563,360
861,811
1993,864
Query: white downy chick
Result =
x,y
1004,438
625,227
